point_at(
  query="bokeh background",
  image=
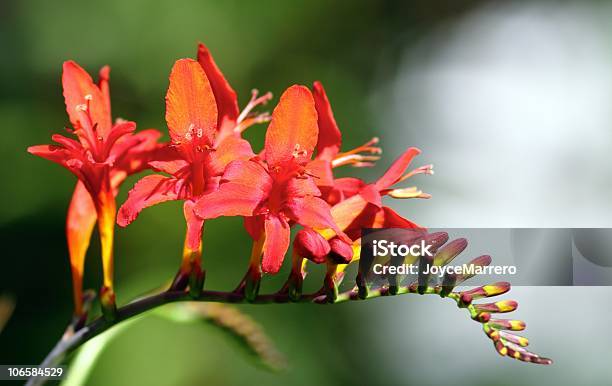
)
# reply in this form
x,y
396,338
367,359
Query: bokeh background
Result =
x,y
511,101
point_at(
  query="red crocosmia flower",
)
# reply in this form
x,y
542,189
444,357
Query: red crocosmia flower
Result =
x,y
362,208
328,151
201,113
277,188
102,157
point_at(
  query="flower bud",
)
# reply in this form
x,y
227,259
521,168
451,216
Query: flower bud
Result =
x,y
311,245
341,252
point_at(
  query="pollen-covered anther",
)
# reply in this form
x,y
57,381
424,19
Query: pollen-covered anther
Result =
x,y
81,107
425,169
299,153
404,193
88,97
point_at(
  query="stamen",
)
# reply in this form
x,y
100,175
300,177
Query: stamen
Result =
x,y
412,192
253,102
81,107
88,97
426,169
353,158
252,120
299,153
356,160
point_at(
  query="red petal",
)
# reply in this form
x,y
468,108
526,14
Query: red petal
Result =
x,y
388,218
293,130
246,187
150,190
349,186
276,244
321,170
371,194
394,173
191,110
133,153
303,186
346,212
103,85
194,226
311,245
77,85
254,226
230,149
169,160
330,138
310,212
227,102
80,222
53,153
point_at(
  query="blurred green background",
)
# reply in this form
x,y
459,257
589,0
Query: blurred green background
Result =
x,y
354,48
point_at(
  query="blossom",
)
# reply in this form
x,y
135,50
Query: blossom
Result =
x,y
276,189
101,157
328,155
204,127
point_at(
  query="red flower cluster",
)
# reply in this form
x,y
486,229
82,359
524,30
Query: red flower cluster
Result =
x,y
214,171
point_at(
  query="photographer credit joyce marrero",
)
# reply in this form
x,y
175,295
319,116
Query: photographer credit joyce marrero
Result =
x,y
385,248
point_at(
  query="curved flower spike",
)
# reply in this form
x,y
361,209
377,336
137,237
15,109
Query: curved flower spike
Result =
x,y
102,157
498,330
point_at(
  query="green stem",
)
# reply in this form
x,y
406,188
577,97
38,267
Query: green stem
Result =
x,y
71,340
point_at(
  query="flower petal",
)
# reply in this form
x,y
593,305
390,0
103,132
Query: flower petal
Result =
x,y
349,186
254,226
388,218
230,149
321,170
310,211
80,222
191,110
276,244
80,90
293,130
246,186
132,154
330,138
302,186
150,190
227,102
346,212
169,160
394,173
53,153
103,85
195,224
